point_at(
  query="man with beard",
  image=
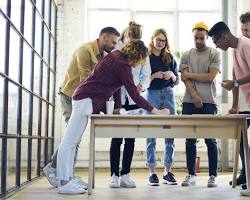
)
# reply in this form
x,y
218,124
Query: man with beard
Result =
x,y
82,63
199,67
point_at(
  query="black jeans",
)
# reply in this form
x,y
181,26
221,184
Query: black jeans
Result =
x,y
189,109
242,171
115,150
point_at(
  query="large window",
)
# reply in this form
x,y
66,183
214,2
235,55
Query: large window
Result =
x,y
27,89
176,16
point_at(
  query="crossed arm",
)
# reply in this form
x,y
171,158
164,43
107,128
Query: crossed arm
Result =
x,y
187,76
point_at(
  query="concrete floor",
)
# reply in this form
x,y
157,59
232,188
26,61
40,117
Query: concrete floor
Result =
x,y
41,190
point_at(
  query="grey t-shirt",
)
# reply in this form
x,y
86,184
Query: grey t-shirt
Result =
x,y
200,62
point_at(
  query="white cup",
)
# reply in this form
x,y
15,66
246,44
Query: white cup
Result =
x,y
110,107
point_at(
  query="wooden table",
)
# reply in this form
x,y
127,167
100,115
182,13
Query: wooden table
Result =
x,y
180,126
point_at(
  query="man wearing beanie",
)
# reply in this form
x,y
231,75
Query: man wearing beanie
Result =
x,y
223,39
199,67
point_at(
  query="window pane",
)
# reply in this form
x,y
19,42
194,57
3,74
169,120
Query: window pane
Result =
x,y
2,42
12,109
16,13
159,5
45,81
51,87
46,11
11,163
1,159
46,45
25,113
50,121
108,4
44,115
37,68
34,158
1,104
197,5
102,19
153,21
38,34
35,116
28,21
3,5
26,65
190,19
52,53
24,159
53,19
14,55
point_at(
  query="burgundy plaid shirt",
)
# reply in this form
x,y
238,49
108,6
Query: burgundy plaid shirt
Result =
x,y
106,79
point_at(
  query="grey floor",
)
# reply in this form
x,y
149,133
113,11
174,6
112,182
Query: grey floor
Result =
x,y
41,190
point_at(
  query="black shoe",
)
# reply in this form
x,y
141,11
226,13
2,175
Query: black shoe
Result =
x,y
244,186
241,179
153,180
169,179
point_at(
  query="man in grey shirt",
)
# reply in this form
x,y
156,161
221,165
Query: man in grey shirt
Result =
x,y
199,66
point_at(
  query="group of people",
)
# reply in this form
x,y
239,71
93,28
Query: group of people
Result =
x,y
139,77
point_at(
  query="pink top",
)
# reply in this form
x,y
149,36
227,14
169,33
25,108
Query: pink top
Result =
x,y
241,62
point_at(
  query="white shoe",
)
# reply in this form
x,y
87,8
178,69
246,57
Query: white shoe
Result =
x,y
70,188
126,181
50,174
189,180
114,182
212,181
80,182
245,192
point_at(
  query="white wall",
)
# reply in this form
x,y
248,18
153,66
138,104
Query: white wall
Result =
x,y
71,32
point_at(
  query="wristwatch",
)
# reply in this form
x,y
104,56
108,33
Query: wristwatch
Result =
x,y
236,83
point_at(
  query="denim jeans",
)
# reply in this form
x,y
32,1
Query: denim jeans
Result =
x,y
72,137
163,98
189,109
242,171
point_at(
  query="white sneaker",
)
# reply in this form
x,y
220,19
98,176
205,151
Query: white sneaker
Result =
x,y
189,180
245,192
212,181
126,181
114,182
50,174
80,182
70,188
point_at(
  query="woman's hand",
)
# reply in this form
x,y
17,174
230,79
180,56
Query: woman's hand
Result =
x,y
159,75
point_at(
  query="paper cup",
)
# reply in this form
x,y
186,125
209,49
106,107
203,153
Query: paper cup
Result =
x,y
110,107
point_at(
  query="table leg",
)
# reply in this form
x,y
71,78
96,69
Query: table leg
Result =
x,y
236,156
91,159
247,163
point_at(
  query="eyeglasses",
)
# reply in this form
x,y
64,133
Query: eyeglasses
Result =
x,y
160,40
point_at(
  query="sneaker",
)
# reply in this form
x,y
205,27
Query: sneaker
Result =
x,y
245,192
153,180
50,174
241,179
244,186
126,181
114,182
212,181
169,179
70,188
189,181
80,182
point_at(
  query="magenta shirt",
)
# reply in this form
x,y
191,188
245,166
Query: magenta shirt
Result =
x,y
241,62
106,79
